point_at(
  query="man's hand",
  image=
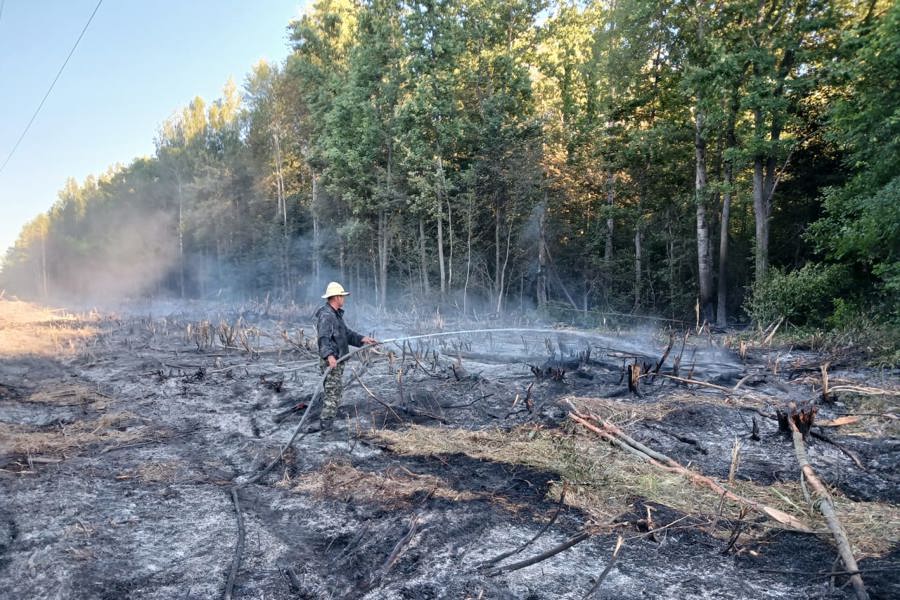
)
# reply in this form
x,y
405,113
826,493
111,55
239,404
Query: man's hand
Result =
x,y
332,361
369,341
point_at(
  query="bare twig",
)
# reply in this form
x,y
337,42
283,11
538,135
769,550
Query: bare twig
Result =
x,y
609,566
579,537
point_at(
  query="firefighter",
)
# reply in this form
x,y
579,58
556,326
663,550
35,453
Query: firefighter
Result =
x,y
334,339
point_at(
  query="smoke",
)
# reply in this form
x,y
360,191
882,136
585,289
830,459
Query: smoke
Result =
x,y
136,259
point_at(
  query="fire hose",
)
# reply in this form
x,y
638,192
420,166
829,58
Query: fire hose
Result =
x,y
243,480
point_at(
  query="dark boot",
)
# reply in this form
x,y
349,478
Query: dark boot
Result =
x,y
320,425
336,431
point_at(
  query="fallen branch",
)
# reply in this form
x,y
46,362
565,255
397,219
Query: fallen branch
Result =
x,y
680,438
579,537
700,383
769,337
825,505
850,453
614,435
374,397
863,390
399,548
837,422
829,573
239,548
612,562
547,526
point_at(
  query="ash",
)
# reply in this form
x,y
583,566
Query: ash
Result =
x,y
120,452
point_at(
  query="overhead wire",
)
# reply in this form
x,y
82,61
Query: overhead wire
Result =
x,y
50,89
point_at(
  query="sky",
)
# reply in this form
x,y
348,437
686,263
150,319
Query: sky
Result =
x,y
138,63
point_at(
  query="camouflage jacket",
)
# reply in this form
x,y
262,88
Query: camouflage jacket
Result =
x,y
334,337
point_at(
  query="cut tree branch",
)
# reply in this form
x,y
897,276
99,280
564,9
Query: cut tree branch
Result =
x,y
615,436
825,505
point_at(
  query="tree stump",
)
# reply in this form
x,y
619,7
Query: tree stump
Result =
x,y
634,378
803,415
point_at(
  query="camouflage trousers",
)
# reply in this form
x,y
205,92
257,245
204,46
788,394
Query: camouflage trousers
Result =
x,y
334,387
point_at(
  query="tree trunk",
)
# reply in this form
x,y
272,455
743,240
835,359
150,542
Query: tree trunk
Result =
x,y
281,212
440,226
670,259
502,286
423,264
317,242
375,277
610,224
761,216
704,258
722,300
468,256
44,261
764,165
728,178
638,236
497,282
180,239
450,240
382,258
542,296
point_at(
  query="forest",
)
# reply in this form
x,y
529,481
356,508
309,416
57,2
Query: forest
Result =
x,y
722,161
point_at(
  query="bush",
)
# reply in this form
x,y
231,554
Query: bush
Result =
x,y
805,297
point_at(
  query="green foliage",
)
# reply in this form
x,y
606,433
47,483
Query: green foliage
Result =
x,y
804,297
550,145
861,222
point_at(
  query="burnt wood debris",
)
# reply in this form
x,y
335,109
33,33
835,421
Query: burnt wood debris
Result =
x,y
499,462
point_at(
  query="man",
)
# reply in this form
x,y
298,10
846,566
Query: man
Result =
x,y
335,339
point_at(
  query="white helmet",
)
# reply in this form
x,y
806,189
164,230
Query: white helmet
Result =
x,y
335,289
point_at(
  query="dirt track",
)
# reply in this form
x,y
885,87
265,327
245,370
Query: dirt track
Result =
x,y
122,440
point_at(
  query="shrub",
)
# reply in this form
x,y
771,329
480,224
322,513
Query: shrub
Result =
x,y
805,297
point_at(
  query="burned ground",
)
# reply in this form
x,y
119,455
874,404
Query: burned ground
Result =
x,y
124,435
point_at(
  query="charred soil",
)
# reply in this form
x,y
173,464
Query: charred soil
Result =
x,y
126,438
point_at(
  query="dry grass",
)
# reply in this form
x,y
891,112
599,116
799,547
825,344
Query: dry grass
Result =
x,y
603,482
70,395
613,409
159,472
396,487
109,428
28,329
879,416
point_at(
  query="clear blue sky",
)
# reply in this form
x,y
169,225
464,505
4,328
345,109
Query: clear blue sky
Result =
x,y
140,61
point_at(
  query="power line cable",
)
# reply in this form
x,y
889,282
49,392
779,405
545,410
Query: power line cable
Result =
x,y
50,89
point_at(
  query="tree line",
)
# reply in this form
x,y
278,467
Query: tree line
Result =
x,y
728,159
